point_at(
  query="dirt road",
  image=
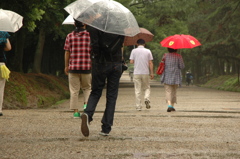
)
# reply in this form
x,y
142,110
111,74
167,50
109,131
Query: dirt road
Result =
x,y
205,125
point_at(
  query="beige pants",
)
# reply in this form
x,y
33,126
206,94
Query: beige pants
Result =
x,y
2,85
141,83
171,93
76,82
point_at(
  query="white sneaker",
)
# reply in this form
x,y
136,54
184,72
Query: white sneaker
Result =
x,y
104,134
139,109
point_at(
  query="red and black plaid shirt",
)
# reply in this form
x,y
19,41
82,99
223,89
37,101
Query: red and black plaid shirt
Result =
x,y
78,43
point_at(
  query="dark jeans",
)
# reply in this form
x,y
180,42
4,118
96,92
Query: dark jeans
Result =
x,y
188,81
110,72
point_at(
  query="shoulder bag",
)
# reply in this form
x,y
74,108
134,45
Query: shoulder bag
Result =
x,y
161,66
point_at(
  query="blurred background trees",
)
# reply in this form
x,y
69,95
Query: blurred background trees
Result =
x,y
38,45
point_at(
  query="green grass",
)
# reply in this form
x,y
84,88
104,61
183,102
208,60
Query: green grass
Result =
x,y
34,91
226,83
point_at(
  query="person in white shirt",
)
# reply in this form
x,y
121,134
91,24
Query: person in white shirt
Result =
x,y
143,67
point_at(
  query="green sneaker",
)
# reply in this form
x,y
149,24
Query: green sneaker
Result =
x,y
84,106
76,115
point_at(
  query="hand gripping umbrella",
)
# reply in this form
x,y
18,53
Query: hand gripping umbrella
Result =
x,y
180,41
10,21
144,34
106,15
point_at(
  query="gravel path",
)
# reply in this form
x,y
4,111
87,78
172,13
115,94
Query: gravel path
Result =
x,y
205,125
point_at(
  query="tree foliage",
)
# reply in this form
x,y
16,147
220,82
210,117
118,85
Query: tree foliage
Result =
x,y
214,23
38,46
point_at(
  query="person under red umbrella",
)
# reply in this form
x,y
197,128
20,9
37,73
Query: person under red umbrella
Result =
x,y
172,77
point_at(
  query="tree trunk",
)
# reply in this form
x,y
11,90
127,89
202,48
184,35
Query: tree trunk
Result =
x,y
228,66
197,69
234,67
221,66
19,46
39,52
215,67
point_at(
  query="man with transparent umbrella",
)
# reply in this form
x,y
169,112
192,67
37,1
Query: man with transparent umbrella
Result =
x,y
106,66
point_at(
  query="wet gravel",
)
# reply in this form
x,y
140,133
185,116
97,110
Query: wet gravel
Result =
x,y
205,125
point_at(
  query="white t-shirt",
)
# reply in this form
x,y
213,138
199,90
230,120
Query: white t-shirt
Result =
x,y
141,57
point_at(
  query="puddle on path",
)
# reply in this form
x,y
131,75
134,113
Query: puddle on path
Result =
x,y
213,111
106,138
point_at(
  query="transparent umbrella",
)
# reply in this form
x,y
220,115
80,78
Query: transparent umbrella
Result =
x,y
10,21
106,15
69,20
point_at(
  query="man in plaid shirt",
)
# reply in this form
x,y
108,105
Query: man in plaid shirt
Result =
x,y
78,65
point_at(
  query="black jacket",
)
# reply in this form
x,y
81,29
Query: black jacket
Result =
x,y
106,46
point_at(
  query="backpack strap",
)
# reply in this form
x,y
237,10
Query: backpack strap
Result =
x,y
110,46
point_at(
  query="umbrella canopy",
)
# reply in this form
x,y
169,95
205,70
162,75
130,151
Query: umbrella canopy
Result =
x,y
106,15
180,41
10,21
68,20
144,34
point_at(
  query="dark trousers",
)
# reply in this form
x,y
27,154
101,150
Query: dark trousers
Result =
x,y
109,72
188,81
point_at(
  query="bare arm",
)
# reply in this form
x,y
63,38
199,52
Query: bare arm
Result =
x,y
151,69
132,61
66,59
8,46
